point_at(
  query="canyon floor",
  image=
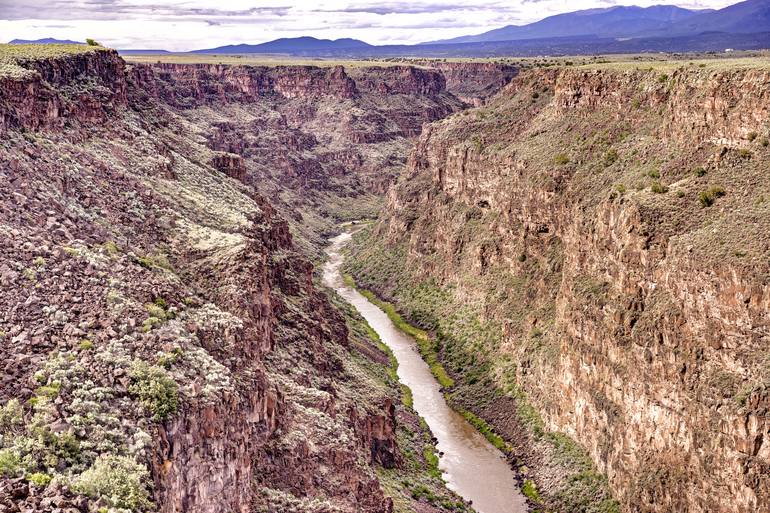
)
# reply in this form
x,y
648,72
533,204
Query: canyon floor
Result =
x,y
580,249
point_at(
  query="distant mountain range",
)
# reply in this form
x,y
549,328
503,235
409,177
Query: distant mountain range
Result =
x,y
618,29
750,16
295,46
45,41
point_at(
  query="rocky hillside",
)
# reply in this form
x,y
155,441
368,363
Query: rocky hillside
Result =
x,y
164,346
323,143
591,251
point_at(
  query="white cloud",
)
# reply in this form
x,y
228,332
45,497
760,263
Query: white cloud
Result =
x,y
192,24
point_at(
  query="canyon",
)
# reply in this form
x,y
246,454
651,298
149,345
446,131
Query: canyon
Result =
x,y
585,247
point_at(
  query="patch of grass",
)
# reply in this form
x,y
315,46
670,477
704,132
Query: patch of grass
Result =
x,y
561,159
610,157
658,188
530,491
709,196
699,171
425,345
485,429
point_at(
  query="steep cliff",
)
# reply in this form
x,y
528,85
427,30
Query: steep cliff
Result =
x,y
164,346
591,251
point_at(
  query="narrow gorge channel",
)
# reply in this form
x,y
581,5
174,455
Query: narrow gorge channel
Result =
x,y
472,467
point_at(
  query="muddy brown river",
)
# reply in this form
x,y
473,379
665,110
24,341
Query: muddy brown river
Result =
x,y
472,467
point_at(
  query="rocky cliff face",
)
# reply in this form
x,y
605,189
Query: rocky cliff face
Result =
x,y
592,245
44,93
324,143
164,345
474,82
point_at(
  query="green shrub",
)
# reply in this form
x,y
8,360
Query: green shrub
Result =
x,y
699,171
11,416
663,78
561,159
111,248
764,142
85,345
610,157
39,479
9,463
156,390
710,195
530,491
658,188
92,42
744,153
654,173
751,136
118,480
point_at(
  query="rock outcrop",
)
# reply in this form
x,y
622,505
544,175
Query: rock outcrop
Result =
x,y
592,243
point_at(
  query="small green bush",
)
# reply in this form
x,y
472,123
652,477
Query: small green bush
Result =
x,y
751,136
654,173
658,188
561,159
85,345
111,248
610,157
92,42
710,195
699,171
156,390
118,480
530,491
9,463
11,416
744,153
764,142
663,78
39,479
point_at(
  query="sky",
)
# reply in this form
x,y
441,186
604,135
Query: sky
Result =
x,y
181,25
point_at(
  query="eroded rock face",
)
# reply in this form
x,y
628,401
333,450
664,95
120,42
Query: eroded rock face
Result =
x,y
230,164
568,220
88,87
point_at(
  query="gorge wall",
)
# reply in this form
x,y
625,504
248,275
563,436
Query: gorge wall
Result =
x,y
590,250
323,143
164,345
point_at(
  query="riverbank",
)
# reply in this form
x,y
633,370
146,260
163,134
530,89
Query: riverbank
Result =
x,y
466,452
555,472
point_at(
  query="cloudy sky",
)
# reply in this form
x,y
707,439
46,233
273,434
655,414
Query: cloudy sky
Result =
x,y
193,24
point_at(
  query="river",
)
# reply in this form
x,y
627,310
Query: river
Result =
x,y
472,467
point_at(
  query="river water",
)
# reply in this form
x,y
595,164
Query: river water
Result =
x,y
472,467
